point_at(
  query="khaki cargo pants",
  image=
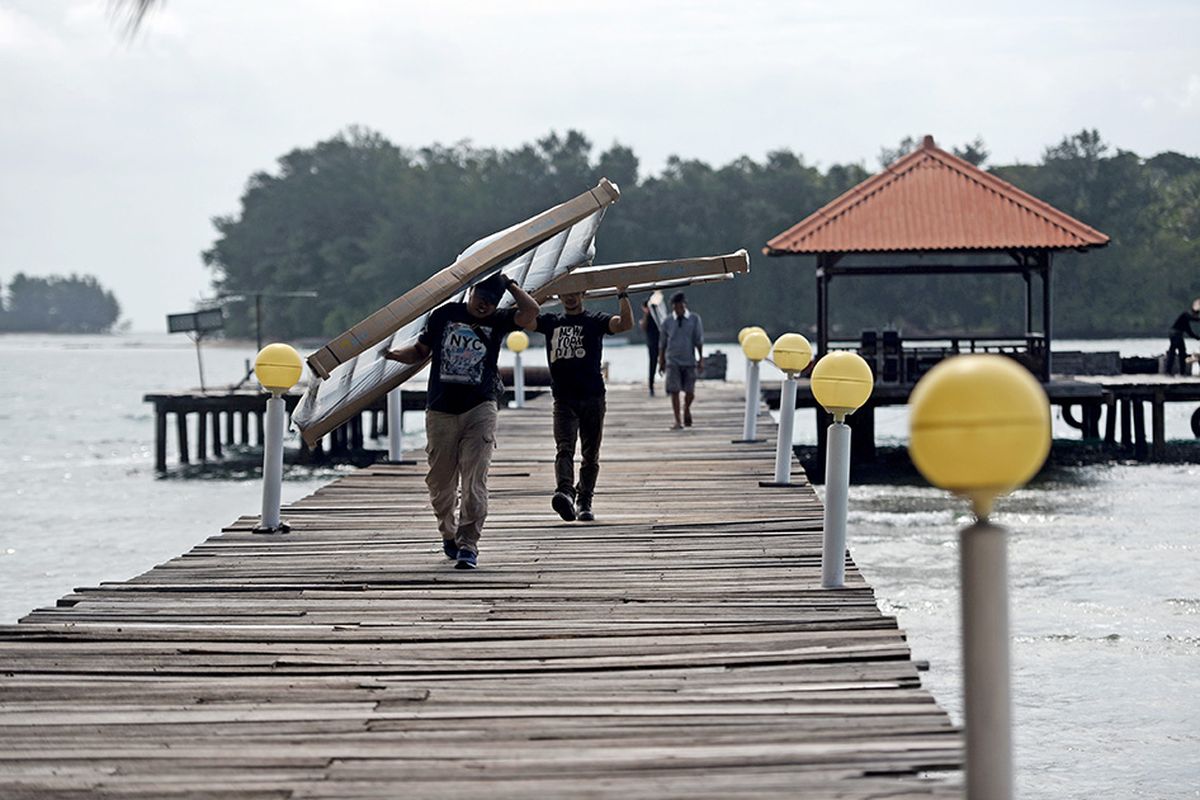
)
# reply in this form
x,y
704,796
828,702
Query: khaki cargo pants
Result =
x,y
459,448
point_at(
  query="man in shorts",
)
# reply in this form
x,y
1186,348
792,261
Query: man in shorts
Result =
x,y
681,357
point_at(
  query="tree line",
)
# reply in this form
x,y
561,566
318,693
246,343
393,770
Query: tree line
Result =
x,y
360,220
57,304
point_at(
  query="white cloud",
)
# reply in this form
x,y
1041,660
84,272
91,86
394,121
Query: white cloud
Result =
x,y
116,152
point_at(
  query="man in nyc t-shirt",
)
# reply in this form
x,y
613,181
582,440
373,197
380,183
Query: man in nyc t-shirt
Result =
x,y
462,341
574,342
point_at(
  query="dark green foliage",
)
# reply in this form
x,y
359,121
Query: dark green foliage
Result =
x,y
58,305
360,221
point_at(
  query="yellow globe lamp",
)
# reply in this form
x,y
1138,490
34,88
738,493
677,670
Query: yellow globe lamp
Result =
x,y
278,366
749,329
756,345
842,382
518,341
792,353
979,427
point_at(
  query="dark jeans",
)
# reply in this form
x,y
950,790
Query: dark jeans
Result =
x,y
582,419
652,348
1177,349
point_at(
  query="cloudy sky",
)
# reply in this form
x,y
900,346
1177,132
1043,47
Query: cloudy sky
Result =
x,y
116,152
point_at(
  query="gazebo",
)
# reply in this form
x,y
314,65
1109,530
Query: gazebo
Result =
x,y
931,202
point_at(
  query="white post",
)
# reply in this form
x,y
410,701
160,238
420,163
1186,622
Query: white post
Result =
x,y
837,491
751,426
783,448
272,465
986,694
395,418
518,381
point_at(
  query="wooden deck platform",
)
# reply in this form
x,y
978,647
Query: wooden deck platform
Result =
x,y
678,647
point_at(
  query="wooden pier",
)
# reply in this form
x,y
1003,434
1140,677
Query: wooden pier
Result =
x,y
680,646
1108,408
217,419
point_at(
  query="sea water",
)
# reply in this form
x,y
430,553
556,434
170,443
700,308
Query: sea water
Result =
x,y
1104,568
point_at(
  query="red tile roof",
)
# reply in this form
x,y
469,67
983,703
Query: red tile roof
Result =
x,y
930,200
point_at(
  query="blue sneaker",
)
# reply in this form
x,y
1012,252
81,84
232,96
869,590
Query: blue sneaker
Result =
x,y
450,549
466,560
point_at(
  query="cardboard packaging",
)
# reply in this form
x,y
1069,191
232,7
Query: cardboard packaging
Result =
x,y
644,276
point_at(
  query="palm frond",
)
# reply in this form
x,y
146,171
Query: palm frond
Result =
x,y
131,13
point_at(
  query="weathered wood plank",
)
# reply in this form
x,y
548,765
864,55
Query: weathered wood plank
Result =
x,y
679,647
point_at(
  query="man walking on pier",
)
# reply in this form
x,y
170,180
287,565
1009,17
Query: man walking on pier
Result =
x,y
460,416
574,341
1177,349
681,340
650,327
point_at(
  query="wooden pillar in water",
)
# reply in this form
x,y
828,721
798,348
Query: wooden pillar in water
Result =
x,y
202,436
181,434
216,434
1110,420
356,432
229,427
1158,426
258,428
1139,429
160,438
1126,424
374,415
245,424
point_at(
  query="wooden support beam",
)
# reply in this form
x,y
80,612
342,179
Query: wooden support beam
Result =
x,y
216,434
1110,420
202,436
181,435
160,438
1158,426
1139,429
1126,425
245,427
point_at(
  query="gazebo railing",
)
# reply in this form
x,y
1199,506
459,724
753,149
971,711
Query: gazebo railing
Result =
x,y
896,359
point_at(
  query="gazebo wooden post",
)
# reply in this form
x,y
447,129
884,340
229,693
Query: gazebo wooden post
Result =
x,y
1028,301
822,305
1044,258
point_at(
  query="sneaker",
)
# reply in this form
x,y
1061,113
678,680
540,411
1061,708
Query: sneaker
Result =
x,y
564,505
450,549
466,560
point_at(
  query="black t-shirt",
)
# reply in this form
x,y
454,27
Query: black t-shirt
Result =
x,y
1183,324
462,373
573,345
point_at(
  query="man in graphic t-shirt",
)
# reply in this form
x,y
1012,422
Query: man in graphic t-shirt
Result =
x,y
463,340
574,341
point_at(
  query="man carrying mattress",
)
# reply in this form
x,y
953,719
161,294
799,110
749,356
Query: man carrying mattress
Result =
x,y
460,417
574,341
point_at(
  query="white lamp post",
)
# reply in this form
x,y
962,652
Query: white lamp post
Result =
x,y
841,383
518,342
980,427
791,354
756,346
277,367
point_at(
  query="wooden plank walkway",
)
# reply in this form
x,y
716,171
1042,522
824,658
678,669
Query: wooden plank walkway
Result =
x,y
678,647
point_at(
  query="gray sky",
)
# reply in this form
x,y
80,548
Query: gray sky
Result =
x,y
115,154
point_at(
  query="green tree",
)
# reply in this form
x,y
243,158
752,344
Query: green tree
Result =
x,y
58,305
